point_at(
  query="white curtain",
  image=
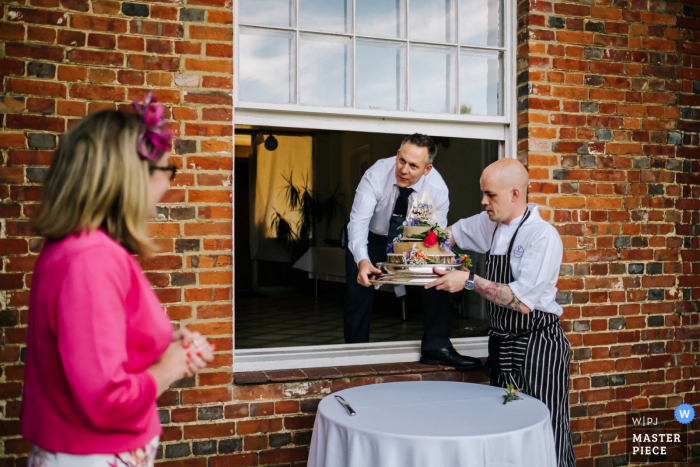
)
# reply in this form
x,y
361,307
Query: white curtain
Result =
x,y
268,170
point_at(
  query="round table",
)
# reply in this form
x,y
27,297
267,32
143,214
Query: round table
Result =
x,y
431,423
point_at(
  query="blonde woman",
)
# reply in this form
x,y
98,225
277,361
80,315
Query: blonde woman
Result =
x,y
100,349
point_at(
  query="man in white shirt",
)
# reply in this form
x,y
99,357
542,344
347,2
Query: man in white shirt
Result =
x,y
527,346
381,203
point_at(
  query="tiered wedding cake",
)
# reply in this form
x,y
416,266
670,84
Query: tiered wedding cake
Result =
x,y
422,240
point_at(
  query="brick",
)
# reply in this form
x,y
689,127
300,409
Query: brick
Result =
x,y
154,28
38,34
268,425
26,15
35,51
35,87
211,33
71,38
92,92
72,73
12,32
236,460
31,122
76,5
210,66
150,62
201,396
13,140
96,58
135,44
97,23
11,67
102,41
208,431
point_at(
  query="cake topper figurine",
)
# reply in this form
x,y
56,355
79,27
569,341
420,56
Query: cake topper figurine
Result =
x,y
422,210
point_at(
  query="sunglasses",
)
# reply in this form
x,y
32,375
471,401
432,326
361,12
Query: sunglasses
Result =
x,y
171,168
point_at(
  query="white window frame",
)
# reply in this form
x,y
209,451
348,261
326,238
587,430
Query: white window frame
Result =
x,y
499,128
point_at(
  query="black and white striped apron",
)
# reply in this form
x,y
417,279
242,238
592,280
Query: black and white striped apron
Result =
x,y
530,351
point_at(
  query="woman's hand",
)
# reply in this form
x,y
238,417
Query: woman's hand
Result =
x,y
172,366
198,349
199,352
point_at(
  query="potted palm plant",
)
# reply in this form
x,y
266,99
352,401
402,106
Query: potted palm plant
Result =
x,y
312,207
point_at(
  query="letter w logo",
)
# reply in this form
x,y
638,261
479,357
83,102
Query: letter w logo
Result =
x,y
684,413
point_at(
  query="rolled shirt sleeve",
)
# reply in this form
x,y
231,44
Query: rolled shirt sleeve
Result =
x,y
360,217
474,233
538,270
91,333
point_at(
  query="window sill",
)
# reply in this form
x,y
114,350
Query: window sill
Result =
x,y
377,370
334,356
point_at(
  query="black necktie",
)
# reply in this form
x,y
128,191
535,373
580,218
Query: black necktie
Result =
x,y
401,205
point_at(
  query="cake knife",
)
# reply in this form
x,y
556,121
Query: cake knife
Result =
x,y
351,412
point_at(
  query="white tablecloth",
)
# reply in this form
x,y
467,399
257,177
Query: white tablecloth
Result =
x,y
431,423
323,263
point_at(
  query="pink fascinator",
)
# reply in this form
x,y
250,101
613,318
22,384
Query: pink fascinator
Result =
x,y
154,138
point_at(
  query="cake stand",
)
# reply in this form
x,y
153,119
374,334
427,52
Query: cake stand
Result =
x,y
409,274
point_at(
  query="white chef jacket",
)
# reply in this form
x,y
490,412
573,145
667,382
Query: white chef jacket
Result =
x,y
535,258
375,198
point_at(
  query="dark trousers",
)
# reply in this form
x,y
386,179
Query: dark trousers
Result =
x,y
358,303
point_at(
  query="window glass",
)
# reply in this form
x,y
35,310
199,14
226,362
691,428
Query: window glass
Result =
x,y
267,12
480,22
479,78
381,18
381,75
433,83
326,15
324,70
432,20
266,65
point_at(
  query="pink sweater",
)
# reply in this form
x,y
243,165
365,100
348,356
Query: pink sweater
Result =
x,y
95,326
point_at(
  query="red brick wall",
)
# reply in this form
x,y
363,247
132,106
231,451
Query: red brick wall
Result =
x,y
609,118
62,59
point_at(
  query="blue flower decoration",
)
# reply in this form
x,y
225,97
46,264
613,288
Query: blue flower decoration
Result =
x,y
390,248
415,222
446,246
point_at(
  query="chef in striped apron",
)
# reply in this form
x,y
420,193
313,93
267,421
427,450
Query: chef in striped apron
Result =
x,y
527,346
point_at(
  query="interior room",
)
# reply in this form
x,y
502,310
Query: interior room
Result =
x,y
294,190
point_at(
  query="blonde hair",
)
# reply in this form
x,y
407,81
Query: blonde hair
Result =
x,y
97,179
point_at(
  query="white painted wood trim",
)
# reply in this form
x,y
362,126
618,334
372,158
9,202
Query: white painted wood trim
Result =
x,y
284,358
343,122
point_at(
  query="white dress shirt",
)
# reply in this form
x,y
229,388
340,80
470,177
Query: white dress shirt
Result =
x,y
375,198
535,258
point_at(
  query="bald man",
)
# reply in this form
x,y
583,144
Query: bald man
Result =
x,y
527,346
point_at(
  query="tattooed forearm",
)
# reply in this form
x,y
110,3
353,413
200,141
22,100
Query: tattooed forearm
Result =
x,y
500,294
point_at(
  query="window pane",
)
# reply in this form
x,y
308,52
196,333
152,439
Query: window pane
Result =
x,y
382,18
325,15
267,12
266,66
480,22
380,75
479,81
433,79
432,20
324,70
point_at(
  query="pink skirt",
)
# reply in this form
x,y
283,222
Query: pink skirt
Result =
x,y
142,457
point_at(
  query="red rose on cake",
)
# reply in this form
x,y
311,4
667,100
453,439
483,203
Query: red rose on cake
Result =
x,y
430,239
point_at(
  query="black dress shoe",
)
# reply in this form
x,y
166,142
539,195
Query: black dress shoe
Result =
x,y
449,357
